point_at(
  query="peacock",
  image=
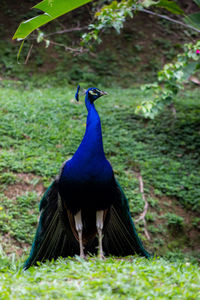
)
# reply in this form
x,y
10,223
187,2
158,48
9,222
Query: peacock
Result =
x,y
84,210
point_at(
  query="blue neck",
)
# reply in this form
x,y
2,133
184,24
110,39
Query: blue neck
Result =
x,y
92,144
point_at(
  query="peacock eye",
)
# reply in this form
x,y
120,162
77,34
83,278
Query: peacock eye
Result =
x,y
92,92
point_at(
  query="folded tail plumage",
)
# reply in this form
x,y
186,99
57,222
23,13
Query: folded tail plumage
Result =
x,y
54,236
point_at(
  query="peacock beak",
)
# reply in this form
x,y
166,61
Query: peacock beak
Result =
x,y
103,93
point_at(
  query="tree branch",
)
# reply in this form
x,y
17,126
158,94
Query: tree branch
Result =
x,y
28,55
77,50
67,30
146,205
167,18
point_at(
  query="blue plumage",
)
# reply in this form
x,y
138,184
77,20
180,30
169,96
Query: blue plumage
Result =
x,y
84,201
77,93
88,173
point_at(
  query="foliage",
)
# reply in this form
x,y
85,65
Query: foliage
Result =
x,y
115,14
101,69
130,278
171,79
194,19
174,220
52,9
171,6
196,222
112,15
16,213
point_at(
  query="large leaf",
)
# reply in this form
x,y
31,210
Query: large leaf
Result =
x,y
147,3
197,2
52,9
189,69
171,6
193,19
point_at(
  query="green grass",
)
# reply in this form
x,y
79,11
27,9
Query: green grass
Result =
x,y
131,278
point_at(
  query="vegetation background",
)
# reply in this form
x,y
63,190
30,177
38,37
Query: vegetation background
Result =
x,y
41,126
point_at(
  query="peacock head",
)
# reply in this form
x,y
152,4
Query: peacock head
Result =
x,y
92,93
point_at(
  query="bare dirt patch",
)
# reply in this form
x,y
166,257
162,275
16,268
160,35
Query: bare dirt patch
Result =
x,y
25,183
10,245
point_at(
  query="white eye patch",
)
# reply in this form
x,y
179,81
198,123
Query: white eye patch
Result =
x,y
92,92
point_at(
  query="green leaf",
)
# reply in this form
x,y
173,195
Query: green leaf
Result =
x,y
20,49
52,10
26,27
197,2
170,6
147,3
193,19
189,70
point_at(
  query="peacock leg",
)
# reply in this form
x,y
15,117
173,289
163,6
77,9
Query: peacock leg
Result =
x,y
79,228
99,224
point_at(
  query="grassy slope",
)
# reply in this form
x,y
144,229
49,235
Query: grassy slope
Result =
x,y
40,128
